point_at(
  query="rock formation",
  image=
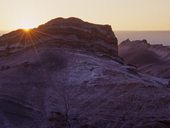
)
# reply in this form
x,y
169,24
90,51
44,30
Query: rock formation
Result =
x,y
150,59
67,74
72,33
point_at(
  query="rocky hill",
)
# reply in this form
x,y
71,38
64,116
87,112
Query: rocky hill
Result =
x,y
150,59
67,74
72,33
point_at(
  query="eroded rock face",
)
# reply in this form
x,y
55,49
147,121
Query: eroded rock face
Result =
x,y
150,59
71,33
58,80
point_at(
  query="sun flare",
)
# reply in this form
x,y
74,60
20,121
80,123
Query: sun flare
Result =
x,y
26,29
27,25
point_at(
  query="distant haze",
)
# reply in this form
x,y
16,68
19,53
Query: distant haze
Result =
x,y
153,37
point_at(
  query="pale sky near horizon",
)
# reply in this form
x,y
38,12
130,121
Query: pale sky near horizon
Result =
x,y
121,14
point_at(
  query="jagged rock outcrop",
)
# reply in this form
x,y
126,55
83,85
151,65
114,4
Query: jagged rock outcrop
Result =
x,y
150,59
66,74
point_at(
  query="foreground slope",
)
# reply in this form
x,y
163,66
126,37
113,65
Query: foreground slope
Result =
x,y
67,74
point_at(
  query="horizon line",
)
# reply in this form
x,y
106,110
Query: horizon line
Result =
x,y
112,29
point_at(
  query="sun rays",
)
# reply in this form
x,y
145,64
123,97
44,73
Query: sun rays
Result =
x,y
30,37
27,41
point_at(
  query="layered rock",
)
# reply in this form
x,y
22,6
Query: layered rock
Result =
x,y
69,33
150,59
66,74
